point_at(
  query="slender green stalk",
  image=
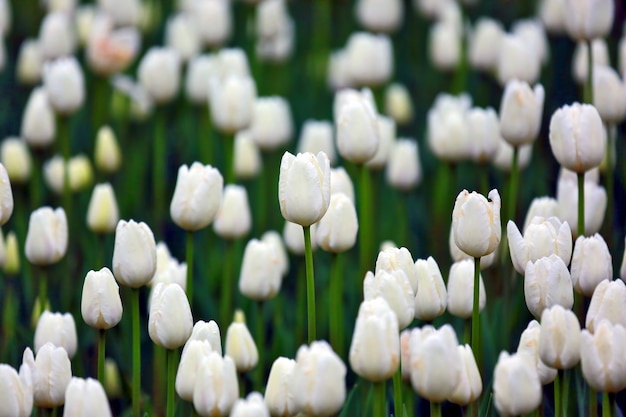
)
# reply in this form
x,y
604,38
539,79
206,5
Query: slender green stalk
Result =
x,y
435,409
475,315
226,301
310,283
43,287
366,239
171,378
513,185
260,342
65,142
205,138
101,350
379,408
190,267
588,89
54,412
607,409
593,403
136,384
301,297
484,178
229,156
159,156
335,298
159,375
410,402
565,393
397,392
558,411
581,204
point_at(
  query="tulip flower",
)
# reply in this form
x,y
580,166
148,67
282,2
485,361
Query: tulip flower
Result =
x,y
529,348
317,136
233,219
484,44
46,240
278,392
393,258
370,58
476,223
101,305
461,288
206,331
533,32
280,253
520,112
86,397
6,196
253,405
591,264
56,37
398,104
65,85
293,236
58,329
559,340
447,131
260,276
588,19
602,363
110,51
404,170
445,45
212,20
336,231
51,372
107,154
11,265
38,121
547,282
199,69
458,255
431,297
240,346
595,204
187,373
340,182
518,60
357,128
29,66
16,394
395,288
271,125
516,385
216,388
387,139
246,156
181,36
123,13
545,207
159,74
102,212
470,385
378,15
15,157
609,94
232,103
607,303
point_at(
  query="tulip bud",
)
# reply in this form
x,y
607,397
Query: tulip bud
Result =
x,y
484,44
609,94
247,158
58,329
528,347
591,264
51,373
280,253
232,61
86,397
209,332
431,297
387,136
317,136
379,15
319,380
216,388
112,381
187,373
392,259
358,134
16,396
123,12
398,104
476,222
252,406
518,60
588,19
601,357
107,155
278,395
293,235
458,255
545,207
559,340
516,385
370,58
447,130
182,36
29,62
212,20
271,124
404,170
340,182
580,59
15,158
56,36
199,69
46,240
395,288
520,112
261,272
349,95
38,121
102,212
444,46
461,289
375,347
470,384
239,344
304,187
233,219
11,265
595,205
101,305
110,51
197,196
277,48
65,85
484,129
232,102
170,322
504,157
337,230
547,282
159,74
608,302
134,254
6,196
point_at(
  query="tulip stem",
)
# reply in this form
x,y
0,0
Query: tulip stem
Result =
x,y
190,267
558,412
606,405
435,409
513,181
229,155
365,219
336,304
260,342
397,392
593,403
158,168
581,204
588,93
136,388
565,393
310,283
43,287
171,377
205,140
101,350
379,399
475,314
227,284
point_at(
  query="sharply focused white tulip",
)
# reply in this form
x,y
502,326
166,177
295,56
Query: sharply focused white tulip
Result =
x,y
337,230
51,374
529,348
159,74
134,254
461,289
608,302
101,304
187,373
516,385
46,240
86,397
170,321
603,364
470,384
393,258
521,109
431,297
16,395
559,339
216,388
458,255
476,222
278,392
233,219
208,331
64,82
547,282
58,329
395,288
6,196
591,264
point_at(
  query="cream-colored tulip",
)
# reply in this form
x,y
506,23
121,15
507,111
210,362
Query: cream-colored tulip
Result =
x,y
240,345
58,329
86,397
608,302
602,361
246,156
38,121
46,240
461,288
197,196
271,125
208,331
476,222
559,339
470,384
370,58
170,321
64,82
16,396
458,255
394,258
16,158
404,170
375,347
107,154
29,62
591,264
134,254
80,173
395,288
547,282
261,273
11,264
521,109
216,388
588,19
358,133
101,304
187,373
431,297
278,392
233,219
102,212
529,348
337,230
51,373
516,385
304,187
159,74
398,104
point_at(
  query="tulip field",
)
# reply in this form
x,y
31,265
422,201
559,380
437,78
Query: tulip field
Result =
x,y
256,208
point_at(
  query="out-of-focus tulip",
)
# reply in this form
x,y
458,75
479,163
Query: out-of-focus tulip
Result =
x,y
212,19
543,237
461,289
370,58
101,304
216,388
358,134
339,71
232,103
516,385
261,275
80,173
404,170
379,15
6,196
134,254
517,60
435,363
247,158
233,219
395,288
375,347
470,384
317,136
387,139
278,392
476,222
281,258
349,95
504,157
102,212
591,264
187,373
447,131
484,44
559,339
431,297
107,154
65,85
29,62
38,121
109,50
159,74
340,182
337,230
240,345
588,19
609,94
11,265
207,331
293,235
529,348
16,159
123,12
16,394
520,112
319,380
484,131
86,397
579,60
622,270
545,207
252,406
552,15
595,204
533,32
444,45
112,380
398,104
394,258
56,36
603,364
46,240
621,64
547,282
608,302
58,329
181,35
197,196
200,68
304,187
5,17
51,374
271,124
170,322
458,255
173,273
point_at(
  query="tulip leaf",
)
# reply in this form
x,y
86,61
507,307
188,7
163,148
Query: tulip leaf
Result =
x,y
345,411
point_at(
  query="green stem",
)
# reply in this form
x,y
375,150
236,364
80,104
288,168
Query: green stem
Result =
x,y
101,350
379,399
475,314
588,93
171,378
397,392
558,412
301,297
513,184
159,156
565,393
190,267
205,139
43,287
435,409
484,178
136,384
365,219
606,405
410,401
581,204
336,304
593,403
260,342
310,283
227,284
229,156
